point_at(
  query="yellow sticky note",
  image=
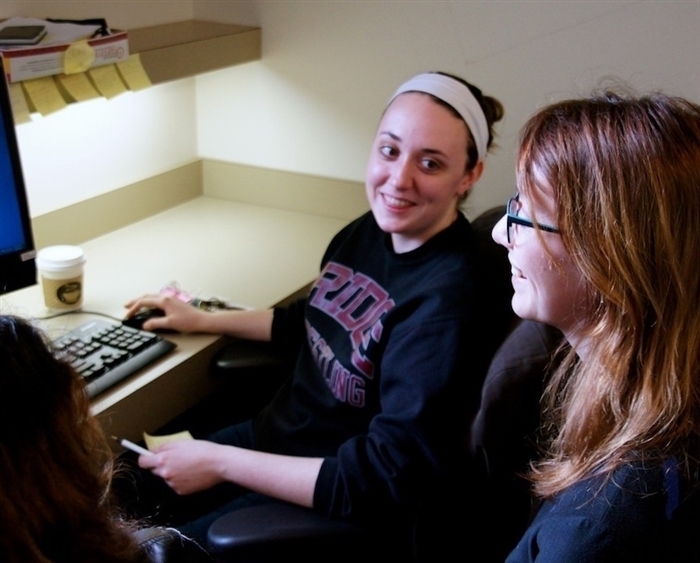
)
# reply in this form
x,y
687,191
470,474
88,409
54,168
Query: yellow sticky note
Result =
x,y
153,442
78,87
44,95
133,73
20,109
106,80
78,57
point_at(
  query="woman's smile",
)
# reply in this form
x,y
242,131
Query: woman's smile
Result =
x,y
417,170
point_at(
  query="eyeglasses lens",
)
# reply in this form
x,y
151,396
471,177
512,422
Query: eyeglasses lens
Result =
x,y
510,224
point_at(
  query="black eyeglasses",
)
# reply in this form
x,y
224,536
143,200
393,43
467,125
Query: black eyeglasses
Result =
x,y
513,219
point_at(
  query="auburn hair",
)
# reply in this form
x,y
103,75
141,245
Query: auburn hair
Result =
x,y
625,175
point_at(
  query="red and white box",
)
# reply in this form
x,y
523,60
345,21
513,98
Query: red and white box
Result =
x,y
35,61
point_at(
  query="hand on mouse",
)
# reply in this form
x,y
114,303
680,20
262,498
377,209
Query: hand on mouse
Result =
x,y
183,317
177,315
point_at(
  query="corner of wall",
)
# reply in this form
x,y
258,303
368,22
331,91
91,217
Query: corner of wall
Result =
x,y
305,193
110,211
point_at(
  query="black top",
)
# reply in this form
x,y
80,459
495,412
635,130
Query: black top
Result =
x,y
389,371
640,514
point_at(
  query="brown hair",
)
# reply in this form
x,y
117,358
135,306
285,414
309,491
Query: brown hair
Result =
x,y
493,111
55,463
625,175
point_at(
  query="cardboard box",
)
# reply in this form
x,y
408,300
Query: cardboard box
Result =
x,y
35,61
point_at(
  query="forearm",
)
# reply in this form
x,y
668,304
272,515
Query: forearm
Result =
x,y
182,317
251,325
288,478
189,466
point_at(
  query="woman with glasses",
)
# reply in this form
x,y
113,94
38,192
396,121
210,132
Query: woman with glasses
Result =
x,y
386,370
603,239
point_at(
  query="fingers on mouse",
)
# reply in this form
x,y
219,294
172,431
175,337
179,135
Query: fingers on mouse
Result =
x,y
141,316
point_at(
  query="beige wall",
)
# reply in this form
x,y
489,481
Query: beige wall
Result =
x,y
102,145
311,105
122,14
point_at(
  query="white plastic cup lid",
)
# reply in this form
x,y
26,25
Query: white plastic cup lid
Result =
x,y
60,257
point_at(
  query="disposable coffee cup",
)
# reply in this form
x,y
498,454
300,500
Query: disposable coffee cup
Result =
x,y
61,272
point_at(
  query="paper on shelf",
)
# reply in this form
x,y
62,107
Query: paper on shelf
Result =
x,y
43,95
107,81
20,110
77,87
79,57
133,73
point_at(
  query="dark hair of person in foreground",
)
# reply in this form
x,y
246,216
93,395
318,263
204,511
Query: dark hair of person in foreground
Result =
x,y
55,463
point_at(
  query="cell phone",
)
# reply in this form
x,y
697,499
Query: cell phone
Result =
x,y
22,34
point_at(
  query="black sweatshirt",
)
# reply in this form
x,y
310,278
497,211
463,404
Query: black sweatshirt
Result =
x,y
384,385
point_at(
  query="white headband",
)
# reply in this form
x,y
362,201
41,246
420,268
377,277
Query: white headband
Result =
x,y
458,96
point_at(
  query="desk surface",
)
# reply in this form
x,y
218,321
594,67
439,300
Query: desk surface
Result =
x,y
247,254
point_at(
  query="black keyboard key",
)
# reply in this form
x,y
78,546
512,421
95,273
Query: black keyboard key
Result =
x,y
106,352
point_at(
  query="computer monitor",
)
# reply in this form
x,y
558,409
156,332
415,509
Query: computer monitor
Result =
x,y
17,252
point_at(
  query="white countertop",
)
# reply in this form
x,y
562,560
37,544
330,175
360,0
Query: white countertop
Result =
x,y
250,255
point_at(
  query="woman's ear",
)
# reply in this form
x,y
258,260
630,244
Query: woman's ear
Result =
x,y
470,178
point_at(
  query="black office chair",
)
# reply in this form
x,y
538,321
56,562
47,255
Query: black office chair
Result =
x,y
167,545
271,531
504,434
276,531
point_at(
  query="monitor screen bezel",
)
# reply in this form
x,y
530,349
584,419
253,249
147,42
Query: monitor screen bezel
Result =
x,y
17,266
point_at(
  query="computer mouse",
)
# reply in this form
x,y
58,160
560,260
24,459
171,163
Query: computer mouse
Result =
x,y
141,316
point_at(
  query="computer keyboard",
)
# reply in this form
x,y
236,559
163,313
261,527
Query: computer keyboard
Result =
x,y
105,352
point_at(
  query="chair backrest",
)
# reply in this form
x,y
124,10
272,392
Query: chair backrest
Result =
x,y
503,435
167,545
495,287
495,500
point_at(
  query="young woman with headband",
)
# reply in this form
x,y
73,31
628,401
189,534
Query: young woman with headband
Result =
x,y
603,237
368,421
